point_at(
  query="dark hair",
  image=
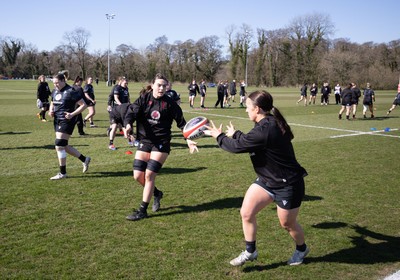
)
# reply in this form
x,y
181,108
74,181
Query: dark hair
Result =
x,y
60,77
264,100
161,77
78,79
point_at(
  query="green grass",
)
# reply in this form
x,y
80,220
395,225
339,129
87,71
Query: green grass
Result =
x,y
76,228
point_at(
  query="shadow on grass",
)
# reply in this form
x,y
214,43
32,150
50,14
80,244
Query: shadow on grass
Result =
x,y
374,119
164,170
90,135
14,133
382,249
225,203
312,198
46,147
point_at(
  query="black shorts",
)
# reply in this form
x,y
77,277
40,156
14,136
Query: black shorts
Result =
x,y
396,102
115,119
65,126
147,146
287,197
45,105
367,103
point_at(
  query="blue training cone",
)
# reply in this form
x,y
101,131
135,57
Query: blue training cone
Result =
x,y
387,129
373,128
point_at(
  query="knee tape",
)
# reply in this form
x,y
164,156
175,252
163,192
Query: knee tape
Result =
x,y
154,165
61,142
139,165
62,153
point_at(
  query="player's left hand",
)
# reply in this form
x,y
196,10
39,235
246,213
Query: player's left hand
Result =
x,y
192,146
230,130
68,116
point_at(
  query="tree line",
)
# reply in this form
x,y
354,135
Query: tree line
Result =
x,y
300,53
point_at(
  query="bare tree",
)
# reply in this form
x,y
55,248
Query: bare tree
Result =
x,y
210,57
77,45
307,33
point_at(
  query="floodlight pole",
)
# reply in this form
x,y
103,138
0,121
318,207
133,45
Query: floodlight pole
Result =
x,y
109,18
247,50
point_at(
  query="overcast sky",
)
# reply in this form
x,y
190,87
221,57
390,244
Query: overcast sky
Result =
x,y
138,23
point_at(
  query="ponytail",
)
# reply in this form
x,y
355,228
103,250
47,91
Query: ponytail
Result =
x,y
281,121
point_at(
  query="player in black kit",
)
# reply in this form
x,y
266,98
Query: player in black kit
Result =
x,y
90,101
121,92
64,110
279,175
153,113
43,93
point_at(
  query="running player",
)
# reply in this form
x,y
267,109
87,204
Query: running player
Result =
x,y
117,116
90,101
303,94
64,110
153,113
203,92
396,102
368,101
193,91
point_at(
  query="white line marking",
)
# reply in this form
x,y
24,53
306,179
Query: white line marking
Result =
x,y
352,132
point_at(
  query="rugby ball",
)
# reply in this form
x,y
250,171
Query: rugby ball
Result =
x,y
195,128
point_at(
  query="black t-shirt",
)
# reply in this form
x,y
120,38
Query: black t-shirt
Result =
x,y
368,94
64,100
43,92
89,90
233,88
122,93
193,88
173,95
347,96
154,117
203,88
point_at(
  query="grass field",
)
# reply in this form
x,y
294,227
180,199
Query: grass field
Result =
x,y
76,228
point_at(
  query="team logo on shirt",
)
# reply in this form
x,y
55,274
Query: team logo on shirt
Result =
x,y
155,116
58,97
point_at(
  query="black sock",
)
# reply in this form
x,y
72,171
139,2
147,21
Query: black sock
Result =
x,y
250,246
63,169
156,191
301,248
111,142
143,207
82,158
43,113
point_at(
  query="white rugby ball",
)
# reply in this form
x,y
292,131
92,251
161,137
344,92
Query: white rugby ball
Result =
x,y
195,128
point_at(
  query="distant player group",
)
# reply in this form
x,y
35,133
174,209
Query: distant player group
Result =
x,y
348,98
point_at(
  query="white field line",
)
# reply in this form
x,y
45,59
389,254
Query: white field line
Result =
x,y
351,132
